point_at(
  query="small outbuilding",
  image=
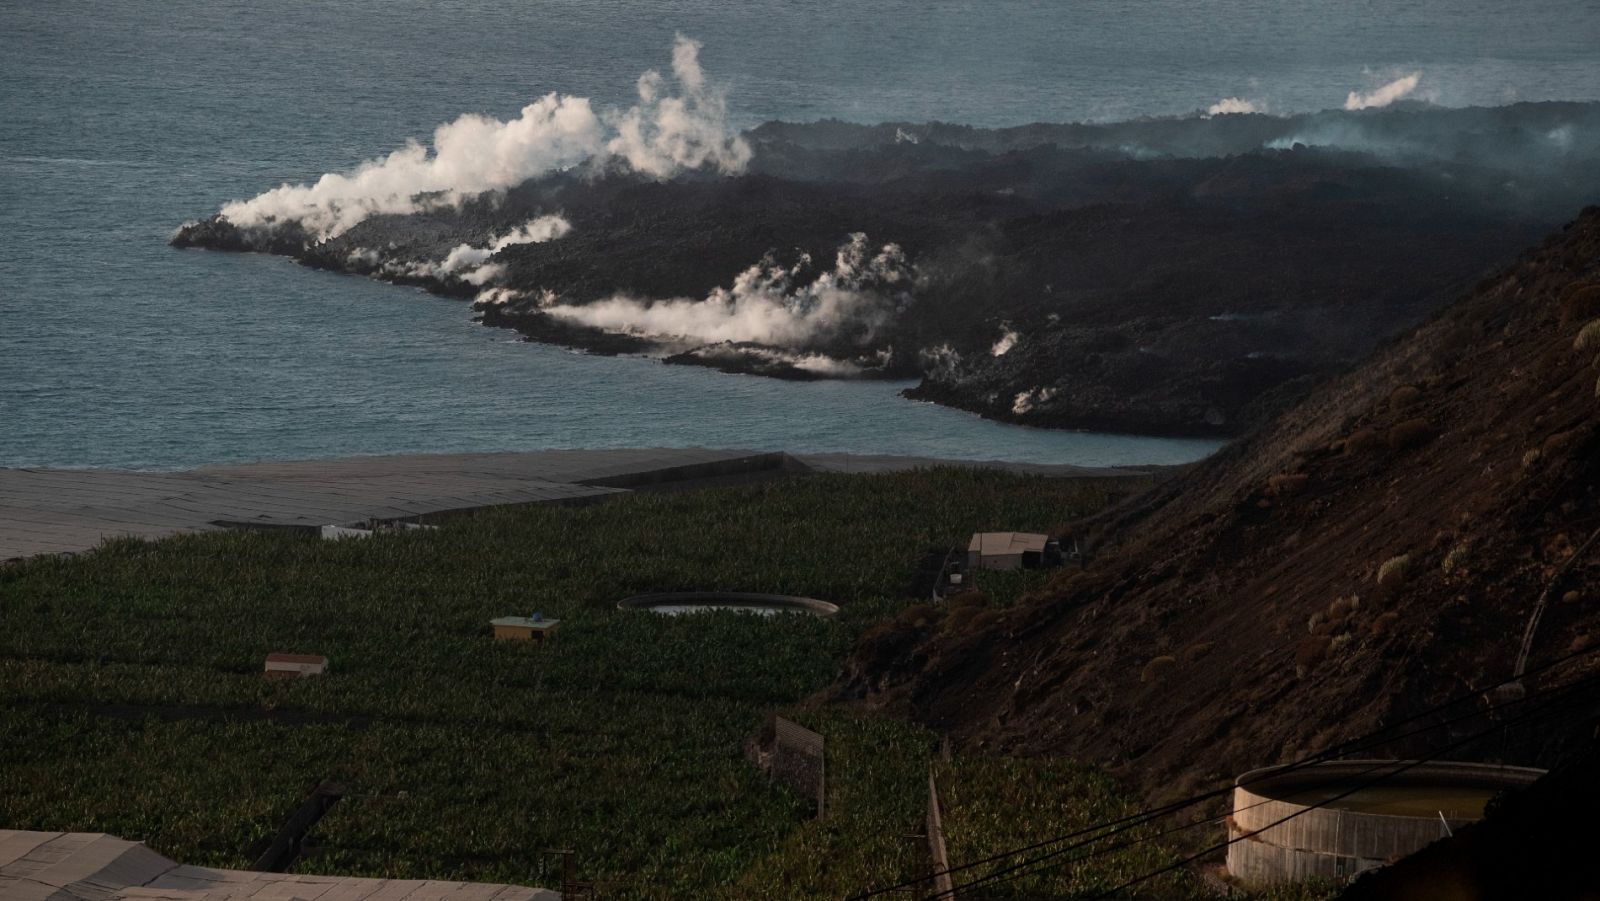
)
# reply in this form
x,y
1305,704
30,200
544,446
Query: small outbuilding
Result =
x,y
1005,550
524,628
339,533
295,666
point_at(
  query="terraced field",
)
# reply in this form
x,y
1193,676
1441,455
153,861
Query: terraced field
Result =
x,y
134,702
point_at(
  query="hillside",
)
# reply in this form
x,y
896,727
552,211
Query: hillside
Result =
x,y
1373,550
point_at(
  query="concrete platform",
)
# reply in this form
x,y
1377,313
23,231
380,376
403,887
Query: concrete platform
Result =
x,y
93,866
52,511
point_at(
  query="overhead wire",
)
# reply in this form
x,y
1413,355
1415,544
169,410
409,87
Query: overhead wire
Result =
x,y
1557,699
1134,820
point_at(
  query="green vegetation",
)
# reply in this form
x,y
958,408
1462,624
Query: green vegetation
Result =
x,y
993,805
134,702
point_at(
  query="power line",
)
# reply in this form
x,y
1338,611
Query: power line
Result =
x,y
1136,819
1562,696
1567,689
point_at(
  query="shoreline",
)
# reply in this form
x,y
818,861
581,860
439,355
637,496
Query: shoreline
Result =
x,y
67,511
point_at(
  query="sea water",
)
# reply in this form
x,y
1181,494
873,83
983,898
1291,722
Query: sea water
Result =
x,y
120,119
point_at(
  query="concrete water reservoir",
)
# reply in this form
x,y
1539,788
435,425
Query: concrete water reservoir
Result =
x,y
1374,825
674,603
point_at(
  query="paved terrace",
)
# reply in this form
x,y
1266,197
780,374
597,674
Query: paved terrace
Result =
x,y
93,866
52,511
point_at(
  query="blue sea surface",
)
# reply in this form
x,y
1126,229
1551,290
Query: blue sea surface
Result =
x,y
120,119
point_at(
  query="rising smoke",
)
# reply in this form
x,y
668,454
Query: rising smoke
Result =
x,y
1233,106
1383,96
664,133
771,305
536,231
1008,340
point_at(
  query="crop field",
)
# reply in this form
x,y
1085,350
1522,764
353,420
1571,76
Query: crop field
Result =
x,y
134,702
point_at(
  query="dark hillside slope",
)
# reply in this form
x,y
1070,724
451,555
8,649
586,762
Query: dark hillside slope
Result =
x,y
1374,550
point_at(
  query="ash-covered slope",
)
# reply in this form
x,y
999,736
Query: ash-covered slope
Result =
x,y
1374,550
1151,276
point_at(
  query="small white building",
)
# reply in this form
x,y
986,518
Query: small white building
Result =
x,y
339,533
1002,550
295,666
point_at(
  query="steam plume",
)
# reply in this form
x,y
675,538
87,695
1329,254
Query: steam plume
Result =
x,y
663,133
535,231
1008,340
1385,95
1233,105
769,304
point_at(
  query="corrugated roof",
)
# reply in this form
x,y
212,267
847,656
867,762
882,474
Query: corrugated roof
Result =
x,y
93,866
997,544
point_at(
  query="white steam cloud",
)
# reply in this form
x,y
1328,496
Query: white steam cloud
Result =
x,y
1385,95
818,364
769,304
1025,401
941,363
665,132
1008,340
1234,106
535,231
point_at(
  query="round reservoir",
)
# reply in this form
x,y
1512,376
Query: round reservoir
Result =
x,y
677,603
1367,828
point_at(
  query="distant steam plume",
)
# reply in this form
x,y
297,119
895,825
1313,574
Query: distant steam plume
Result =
x,y
535,231
1233,105
1385,95
663,133
770,305
1008,340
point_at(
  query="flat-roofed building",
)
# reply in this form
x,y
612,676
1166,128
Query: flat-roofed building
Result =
x,y
294,666
523,628
1003,550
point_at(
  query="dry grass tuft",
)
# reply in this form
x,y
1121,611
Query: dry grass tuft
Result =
x,y
1581,301
1287,483
1310,651
1343,607
1361,441
1404,396
1158,669
1588,337
1394,571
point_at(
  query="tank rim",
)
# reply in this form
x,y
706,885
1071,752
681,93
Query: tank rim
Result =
x,y
739,598
1275,781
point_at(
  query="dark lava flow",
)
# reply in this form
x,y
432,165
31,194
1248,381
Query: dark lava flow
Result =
x,y
1167,276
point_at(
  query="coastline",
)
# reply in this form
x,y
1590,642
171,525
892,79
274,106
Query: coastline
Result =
x,y
69,511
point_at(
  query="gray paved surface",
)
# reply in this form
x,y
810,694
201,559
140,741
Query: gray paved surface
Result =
x,y
868,463
46,511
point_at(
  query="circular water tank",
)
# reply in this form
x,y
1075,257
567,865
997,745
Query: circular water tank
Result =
x,y
1374,825
679,602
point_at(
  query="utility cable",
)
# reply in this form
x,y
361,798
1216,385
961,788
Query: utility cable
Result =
x,y
1564,693
1136,819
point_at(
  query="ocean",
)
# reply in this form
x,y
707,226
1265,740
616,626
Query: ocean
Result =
x,y
121,119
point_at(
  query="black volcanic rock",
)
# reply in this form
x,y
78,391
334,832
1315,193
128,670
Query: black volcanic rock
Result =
x,y
1160,275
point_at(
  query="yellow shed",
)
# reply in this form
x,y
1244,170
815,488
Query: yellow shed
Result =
x,y
523,628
